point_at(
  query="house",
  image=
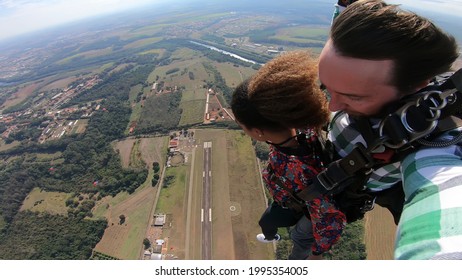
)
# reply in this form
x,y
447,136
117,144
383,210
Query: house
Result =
x,y
159,219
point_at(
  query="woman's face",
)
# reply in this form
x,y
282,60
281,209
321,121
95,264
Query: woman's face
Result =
x,y
253,133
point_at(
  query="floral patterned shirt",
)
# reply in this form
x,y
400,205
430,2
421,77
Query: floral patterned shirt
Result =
x,y
296,168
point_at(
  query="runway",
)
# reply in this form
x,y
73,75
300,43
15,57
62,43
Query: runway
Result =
x,y
206,211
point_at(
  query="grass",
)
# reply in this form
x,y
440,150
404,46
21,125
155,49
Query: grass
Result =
x,y
142,42
44,157
245,188
104,67
88,54
233,75
302,34
145,30
59,84
193,112
153,51
136,160
173,195
43,201
4,146
124,241
131,247
81,126
136,106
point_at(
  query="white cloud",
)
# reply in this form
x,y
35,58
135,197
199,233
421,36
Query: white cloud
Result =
x,y
17,17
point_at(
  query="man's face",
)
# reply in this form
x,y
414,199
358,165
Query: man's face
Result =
x,y
359,87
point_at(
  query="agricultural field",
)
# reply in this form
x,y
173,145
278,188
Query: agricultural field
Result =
x,y
87,54
124,240
80,126
233,74
302,34
187,70
59,83
22,94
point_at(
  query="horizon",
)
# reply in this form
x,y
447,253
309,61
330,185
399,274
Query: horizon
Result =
x,y
26,17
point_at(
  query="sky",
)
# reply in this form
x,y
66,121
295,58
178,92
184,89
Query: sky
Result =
x,y
23,16
452,7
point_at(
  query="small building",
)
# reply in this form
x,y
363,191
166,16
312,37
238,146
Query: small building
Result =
x,y
154,87
159,220
156,256
173,144
272,51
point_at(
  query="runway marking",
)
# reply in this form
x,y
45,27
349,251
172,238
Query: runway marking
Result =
x,y
202,215
210,214
203,173
210,173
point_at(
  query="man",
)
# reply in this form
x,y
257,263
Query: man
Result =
x,y
377,54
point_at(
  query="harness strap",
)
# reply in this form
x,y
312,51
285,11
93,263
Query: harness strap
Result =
x,y
340,173
295,203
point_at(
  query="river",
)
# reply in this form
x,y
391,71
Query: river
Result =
x,y
225,52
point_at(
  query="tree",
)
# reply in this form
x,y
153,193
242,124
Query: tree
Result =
x,y
155,166
154,182
146,243
262,150
122,219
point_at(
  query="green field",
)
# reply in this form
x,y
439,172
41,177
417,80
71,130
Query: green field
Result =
x,y
302,34
172,196
43,201
4,146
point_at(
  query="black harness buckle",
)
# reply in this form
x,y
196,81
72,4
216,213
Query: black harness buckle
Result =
x,y
369,204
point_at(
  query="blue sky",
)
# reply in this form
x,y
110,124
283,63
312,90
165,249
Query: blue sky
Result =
x,y
21,16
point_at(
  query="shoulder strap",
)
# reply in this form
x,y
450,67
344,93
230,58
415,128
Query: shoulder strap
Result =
x,y
295,203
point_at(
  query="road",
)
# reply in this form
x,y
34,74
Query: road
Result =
x,y
206,211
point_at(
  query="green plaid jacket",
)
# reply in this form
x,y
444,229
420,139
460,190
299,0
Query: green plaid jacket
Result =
x,y
431,222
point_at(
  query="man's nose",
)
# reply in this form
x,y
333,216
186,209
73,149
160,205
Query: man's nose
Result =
x,y
335,103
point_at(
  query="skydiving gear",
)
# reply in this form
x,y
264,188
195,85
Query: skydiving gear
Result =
x,y
416,122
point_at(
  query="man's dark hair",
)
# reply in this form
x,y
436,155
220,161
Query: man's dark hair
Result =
x,y
374,30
